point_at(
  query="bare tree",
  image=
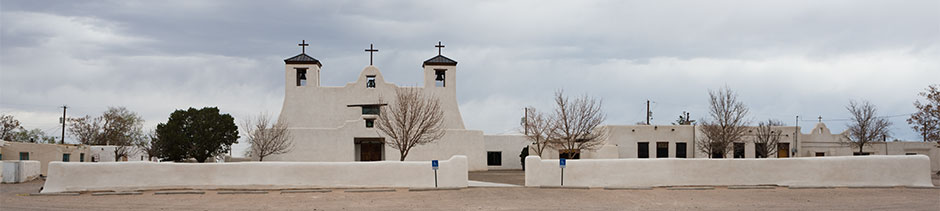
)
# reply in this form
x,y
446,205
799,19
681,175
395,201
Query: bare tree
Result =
x,y
536,127
147,145
8,126
866,126
412,119
576,125
121,128
267,139
86,129
767,138
927,119
727,125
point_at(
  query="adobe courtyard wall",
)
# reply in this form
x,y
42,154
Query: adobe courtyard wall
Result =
x,y
122,176
19,171
911,170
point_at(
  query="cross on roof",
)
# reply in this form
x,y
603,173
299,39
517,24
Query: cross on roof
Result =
x,y
820,118
439,46
371,50
303,46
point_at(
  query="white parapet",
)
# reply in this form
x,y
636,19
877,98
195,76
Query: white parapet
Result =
x,y
904,170
20,171
119,176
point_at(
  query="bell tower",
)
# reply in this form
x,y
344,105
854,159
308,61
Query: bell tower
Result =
x,y
440,72
302,70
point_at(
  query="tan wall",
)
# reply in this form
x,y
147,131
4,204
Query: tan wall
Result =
x,y
44,153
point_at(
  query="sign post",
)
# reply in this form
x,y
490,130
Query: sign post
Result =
x,y
435,166
561,164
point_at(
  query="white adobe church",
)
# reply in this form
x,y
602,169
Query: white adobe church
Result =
x,y
336,124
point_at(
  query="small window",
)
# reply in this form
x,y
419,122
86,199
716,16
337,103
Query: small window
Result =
x,y
439,77
494,158
820,154
66,157
370,81
662,149
24,155
681,150
301,76
643,150
738,150
370,123
81,157
370,109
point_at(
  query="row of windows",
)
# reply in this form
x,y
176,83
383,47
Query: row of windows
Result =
x,y
66,157
662,150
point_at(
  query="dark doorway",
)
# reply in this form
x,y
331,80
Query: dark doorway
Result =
x,y
738,150
643,150
662,149
681,150
783,150
570,154
370,149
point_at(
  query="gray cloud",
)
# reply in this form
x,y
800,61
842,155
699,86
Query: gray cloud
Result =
x,y
785,58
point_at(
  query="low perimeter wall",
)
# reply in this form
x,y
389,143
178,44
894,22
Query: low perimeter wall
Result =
x,y
120,176
20,171
909,170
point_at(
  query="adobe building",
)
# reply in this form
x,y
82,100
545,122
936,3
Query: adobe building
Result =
x,y
337,124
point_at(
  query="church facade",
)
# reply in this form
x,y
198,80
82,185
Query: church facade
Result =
x,y
338,123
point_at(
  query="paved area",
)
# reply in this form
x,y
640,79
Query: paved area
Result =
x,y
513,177
12,197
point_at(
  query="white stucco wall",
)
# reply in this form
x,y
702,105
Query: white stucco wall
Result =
x,y
509,147
106,153
823,171
20,171
247,175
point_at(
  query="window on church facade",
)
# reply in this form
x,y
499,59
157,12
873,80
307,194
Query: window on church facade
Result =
x,y
301,76
370,109
439,77
643,150
494,158
66,157
370,81
370,123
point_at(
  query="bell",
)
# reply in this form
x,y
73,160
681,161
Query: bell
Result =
x,y
440,76
303,76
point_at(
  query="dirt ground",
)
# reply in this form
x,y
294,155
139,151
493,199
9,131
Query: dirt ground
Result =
x,y
12,197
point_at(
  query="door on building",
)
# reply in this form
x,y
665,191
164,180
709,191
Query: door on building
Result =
x,y
783,150
370,149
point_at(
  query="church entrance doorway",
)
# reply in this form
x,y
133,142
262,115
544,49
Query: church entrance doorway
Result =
x,y
370,149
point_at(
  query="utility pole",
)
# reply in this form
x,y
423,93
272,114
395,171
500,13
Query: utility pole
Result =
x,y
648,112
525,121
64,107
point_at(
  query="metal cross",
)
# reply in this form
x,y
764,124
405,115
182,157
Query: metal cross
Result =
x,y
439,46
820,118
303,46
371,50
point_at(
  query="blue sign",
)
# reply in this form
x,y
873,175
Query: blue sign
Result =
x,y
561,162
434,164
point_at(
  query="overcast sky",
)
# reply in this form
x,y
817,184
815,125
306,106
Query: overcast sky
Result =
x,y
784,58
